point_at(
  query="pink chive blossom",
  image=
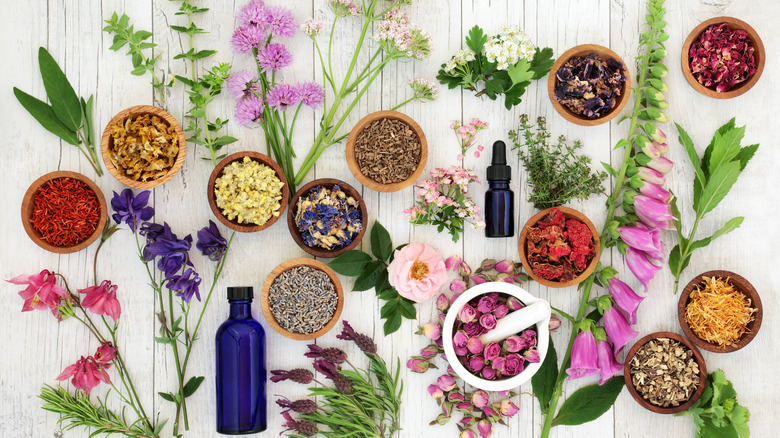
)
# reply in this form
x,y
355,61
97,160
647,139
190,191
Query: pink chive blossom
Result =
x,y
242,84
246,38
254,13
273,57
618,329
101,300
608,366
41,293
311,27
508,409
249,111
432,331
435,391
312,94
480,399
281,22
282,97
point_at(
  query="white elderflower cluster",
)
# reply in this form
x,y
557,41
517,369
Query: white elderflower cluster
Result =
x,y
461,57
508,47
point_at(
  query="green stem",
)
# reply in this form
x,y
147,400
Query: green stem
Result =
x,y
684,253
92,157
564,314
180,408
403,103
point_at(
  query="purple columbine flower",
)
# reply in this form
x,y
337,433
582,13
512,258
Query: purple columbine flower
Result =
x,y
640,266
151,231
246,38
643,239
584,360
655,191
185,285
282,96
654,213
618,329
131,209
253,13
242,84
281,21
273,57
211,243
249,111
608,366
312,94
173,251
625,298
651,175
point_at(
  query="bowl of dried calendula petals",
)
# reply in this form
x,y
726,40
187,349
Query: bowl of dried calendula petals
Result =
x,y
143,147
386,151
665,373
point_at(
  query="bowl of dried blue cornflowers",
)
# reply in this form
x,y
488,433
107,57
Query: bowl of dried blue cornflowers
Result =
x,y
327,217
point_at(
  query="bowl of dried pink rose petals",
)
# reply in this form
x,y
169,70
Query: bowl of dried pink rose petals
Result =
x,y
723,57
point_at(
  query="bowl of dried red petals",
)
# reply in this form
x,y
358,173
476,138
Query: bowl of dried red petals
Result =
x,y
143,147
386,151
64,212
558,247
723,57
720,311
665,373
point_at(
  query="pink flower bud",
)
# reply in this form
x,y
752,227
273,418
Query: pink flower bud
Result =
x,y
555,322
491,414
505,267
487,321
651,175
480,399
485,429
467,314
460,339
499,364
464,269
514,303
514,344
475,346
476,363
501,311
655,191
456,397
442,302
503,393
452,262
478,279
532,356
488,373
418,365
492,350
457,285
432,331
435,391
429,352
662,147
446,382
508,409
467,433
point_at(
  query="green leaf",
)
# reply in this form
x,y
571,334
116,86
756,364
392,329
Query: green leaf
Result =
x,y
167,396
739,418
43,113
493,87
513,96
520,72
728,227
589,403
192,385
610,169
542,62
725,148
543,382
676,213
139,71
448,80
476,39
159,427
718,186
392,324
89,129
711,431
179,29
389,308
351,263
677,263
225,139
388,294
381,245
700,179
142,35
745,154
204,54
407,308
383,283
367,278
64,101
708,152
163,340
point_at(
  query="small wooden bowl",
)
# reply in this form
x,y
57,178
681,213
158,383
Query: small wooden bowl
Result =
x,y
584,50
28,204
352,162
741,285
645,403
217,172
293,210
107,141
569,213
293,263
742,87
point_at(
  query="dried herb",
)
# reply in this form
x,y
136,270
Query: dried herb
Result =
x,y
302,299
718,313
590,85
248,192
717,413
559,249
388,151
722,57
144,148
328,218
665,372
556,172
65,212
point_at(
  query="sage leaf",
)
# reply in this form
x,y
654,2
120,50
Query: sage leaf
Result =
x,y
718,186
192,385
351,263
589,403
543,382
43,113
367,278
64,101
381,244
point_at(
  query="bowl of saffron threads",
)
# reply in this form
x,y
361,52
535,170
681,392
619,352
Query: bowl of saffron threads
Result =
x,y
64,212
327,217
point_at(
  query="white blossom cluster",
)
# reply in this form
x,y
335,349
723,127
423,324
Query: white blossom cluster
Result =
x,y
508,47
461,57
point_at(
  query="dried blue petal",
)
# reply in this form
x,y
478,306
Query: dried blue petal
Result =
x,y
328,218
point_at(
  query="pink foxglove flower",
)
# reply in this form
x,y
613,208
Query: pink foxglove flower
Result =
x,y
101,300
651,175
640,266
508,409
41,293
584,360
618,329
655,133
662,165
654,213
643,239
608,366
625,298
480,399
655,191
417,272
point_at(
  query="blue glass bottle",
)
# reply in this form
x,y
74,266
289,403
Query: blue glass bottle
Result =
x,y
241,404
499,198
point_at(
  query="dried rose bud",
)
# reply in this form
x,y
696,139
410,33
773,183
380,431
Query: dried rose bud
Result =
x,y
555,322
442,302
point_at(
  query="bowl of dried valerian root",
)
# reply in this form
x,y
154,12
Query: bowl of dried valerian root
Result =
x,y
386,151
302,299
665,373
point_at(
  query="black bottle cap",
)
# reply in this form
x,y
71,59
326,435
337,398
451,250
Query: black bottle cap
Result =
x,y
240,293
498,170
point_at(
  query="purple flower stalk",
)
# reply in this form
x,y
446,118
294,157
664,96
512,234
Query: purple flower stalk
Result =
x,y
273,57
282,96
297,375
333,355
131,209
618,329
625,298
640,266
584,361
363,342
643,239
211,243
608,366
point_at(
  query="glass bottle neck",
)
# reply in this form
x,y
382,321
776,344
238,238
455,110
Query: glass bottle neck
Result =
x,y
498,184
240,309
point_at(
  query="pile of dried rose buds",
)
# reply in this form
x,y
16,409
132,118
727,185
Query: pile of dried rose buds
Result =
x,y
559,249
722,57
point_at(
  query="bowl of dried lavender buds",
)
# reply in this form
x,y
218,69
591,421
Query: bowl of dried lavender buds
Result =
x,y
386,151
327,217
302,299
558,247
64,212
589,85
723,57
143,147
720,311
247,191
665,373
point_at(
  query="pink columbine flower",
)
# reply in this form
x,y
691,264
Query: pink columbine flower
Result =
x,y
480,399
458,286
475,346
442,302
485,429
654,213
418,365
41,292
417,272
655,191
488,321
435,391
651,175
640,266
643,239
514,364
608,366
432,330
584,360
89,372
618,329
101,300
467,314
446,382
508,409
625,298
492,350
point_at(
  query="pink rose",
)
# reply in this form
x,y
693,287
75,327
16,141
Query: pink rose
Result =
x,y
501,311
508,408
499,363
480,398
532,356
492,350
442,303
417,272
446,382
460,339
473,328
432,331
488,373
467,314
475,346
488,321
514,364
486,304
476,363
514,343
457,285
514,304
435,391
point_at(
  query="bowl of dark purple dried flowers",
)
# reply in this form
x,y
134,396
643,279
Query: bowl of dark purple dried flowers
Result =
x,y
327,217
589,85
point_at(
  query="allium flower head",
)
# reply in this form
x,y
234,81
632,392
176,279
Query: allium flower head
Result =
x,y
41,292
282,96
253,13
249,111
131,209
311,94
246,38
242,84
101,300
273,57
311,27
423,88
281,21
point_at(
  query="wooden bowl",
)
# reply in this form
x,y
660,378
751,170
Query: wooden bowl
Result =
x,y
293,263
740,284
645,403
107,141
293,210
584,50
28,204
352,162
738,89
569,213
217,172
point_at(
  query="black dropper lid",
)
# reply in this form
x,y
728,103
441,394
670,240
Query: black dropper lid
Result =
x,y
240,293
498,170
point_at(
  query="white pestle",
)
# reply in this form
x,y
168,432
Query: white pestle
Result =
x,y
517,321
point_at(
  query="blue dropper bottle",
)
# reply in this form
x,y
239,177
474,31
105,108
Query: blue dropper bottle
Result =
x,y
499,198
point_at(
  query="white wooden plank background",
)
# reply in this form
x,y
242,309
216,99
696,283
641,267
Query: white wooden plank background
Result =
x,y
36,348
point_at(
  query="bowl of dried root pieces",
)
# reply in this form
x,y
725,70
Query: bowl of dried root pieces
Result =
x,y
386,151
143,147
720,311
665,373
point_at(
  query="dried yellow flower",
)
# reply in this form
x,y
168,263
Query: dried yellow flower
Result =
x,y
144,148
248,192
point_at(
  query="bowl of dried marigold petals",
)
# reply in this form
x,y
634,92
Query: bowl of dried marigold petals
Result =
x,y
720,311
143,147
558,247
